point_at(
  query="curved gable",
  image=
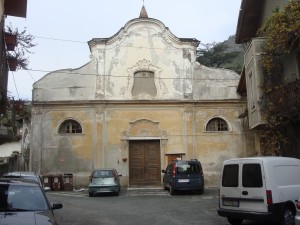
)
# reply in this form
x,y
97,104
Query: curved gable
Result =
x,y
137,24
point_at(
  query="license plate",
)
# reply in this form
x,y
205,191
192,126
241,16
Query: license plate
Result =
x,y
231,203
183,180
102,189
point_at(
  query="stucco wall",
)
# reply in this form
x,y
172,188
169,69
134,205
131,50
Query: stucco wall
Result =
x,y
103,143
99,97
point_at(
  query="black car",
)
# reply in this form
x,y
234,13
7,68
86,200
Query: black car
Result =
x,y
24,202
25,175
184,175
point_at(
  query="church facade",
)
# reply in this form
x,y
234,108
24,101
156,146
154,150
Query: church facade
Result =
x,y
141,101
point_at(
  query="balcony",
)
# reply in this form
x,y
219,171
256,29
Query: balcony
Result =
x,y
253,74
287,100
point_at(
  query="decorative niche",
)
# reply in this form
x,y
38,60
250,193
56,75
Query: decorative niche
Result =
x,y
144,81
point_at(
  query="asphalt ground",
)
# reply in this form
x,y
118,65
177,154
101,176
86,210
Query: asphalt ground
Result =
x,y
139,207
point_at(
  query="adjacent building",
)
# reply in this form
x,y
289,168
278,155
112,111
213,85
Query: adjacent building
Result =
x,y
16,8
272,100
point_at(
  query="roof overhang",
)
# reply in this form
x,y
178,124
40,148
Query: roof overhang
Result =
x,y
15,8
249,20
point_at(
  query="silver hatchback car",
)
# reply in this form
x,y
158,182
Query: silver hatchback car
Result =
x,y
104,181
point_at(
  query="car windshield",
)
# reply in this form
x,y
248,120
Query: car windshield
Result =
x,y
188,168
102,174
22,198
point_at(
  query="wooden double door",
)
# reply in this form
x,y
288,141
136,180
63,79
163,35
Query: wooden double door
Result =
x,y
144,163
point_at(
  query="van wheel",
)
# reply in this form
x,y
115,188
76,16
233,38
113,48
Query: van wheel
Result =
x,y
234,221
288,216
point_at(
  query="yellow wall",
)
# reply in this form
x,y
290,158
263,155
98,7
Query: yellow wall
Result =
x,y
181,129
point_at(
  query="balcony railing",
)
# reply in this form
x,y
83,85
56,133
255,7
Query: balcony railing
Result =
x,y
285,99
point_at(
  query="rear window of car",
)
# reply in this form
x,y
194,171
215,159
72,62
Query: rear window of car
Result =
x,y
188,168
230,175
103,173
252,175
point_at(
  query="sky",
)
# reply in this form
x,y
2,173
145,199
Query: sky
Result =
x,y
62,29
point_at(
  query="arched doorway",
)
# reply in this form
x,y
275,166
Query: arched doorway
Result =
x,y
144,145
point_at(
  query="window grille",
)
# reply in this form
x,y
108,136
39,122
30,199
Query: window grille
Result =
x,y
70,127
217,124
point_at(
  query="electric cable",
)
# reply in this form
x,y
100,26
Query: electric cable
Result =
x,y
15,85
67,71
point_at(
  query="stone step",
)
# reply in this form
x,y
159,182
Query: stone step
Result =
x,y
146,191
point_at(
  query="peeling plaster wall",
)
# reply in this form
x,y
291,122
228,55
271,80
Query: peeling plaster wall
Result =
x,y
214,83
68,153
140,45
67,84
144,41
147,45
98,96
100,144
215,147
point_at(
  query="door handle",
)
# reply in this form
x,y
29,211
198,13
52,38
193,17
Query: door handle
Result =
x,y
245,192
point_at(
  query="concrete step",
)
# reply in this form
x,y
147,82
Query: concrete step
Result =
x,y
146,191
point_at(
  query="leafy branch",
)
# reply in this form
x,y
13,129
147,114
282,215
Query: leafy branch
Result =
x,y
24,45
282,32
221,55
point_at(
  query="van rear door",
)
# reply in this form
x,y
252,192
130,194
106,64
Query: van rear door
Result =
x,y
243,186
253,190
189,175
230,192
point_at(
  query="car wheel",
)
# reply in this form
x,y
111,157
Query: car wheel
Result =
x,y
116,193
91,194
172,192
288,217
234,221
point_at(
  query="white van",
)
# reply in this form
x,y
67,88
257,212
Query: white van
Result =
x,y
259,188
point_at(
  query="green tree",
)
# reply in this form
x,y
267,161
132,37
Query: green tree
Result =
x,y
225,54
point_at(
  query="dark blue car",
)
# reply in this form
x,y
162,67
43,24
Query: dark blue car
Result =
x,y
184,175
24,202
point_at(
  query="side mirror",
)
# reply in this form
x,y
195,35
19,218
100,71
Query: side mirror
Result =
x,y
57,206
163,171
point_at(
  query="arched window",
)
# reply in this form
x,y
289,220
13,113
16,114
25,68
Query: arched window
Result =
x,y
217,124
70,127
